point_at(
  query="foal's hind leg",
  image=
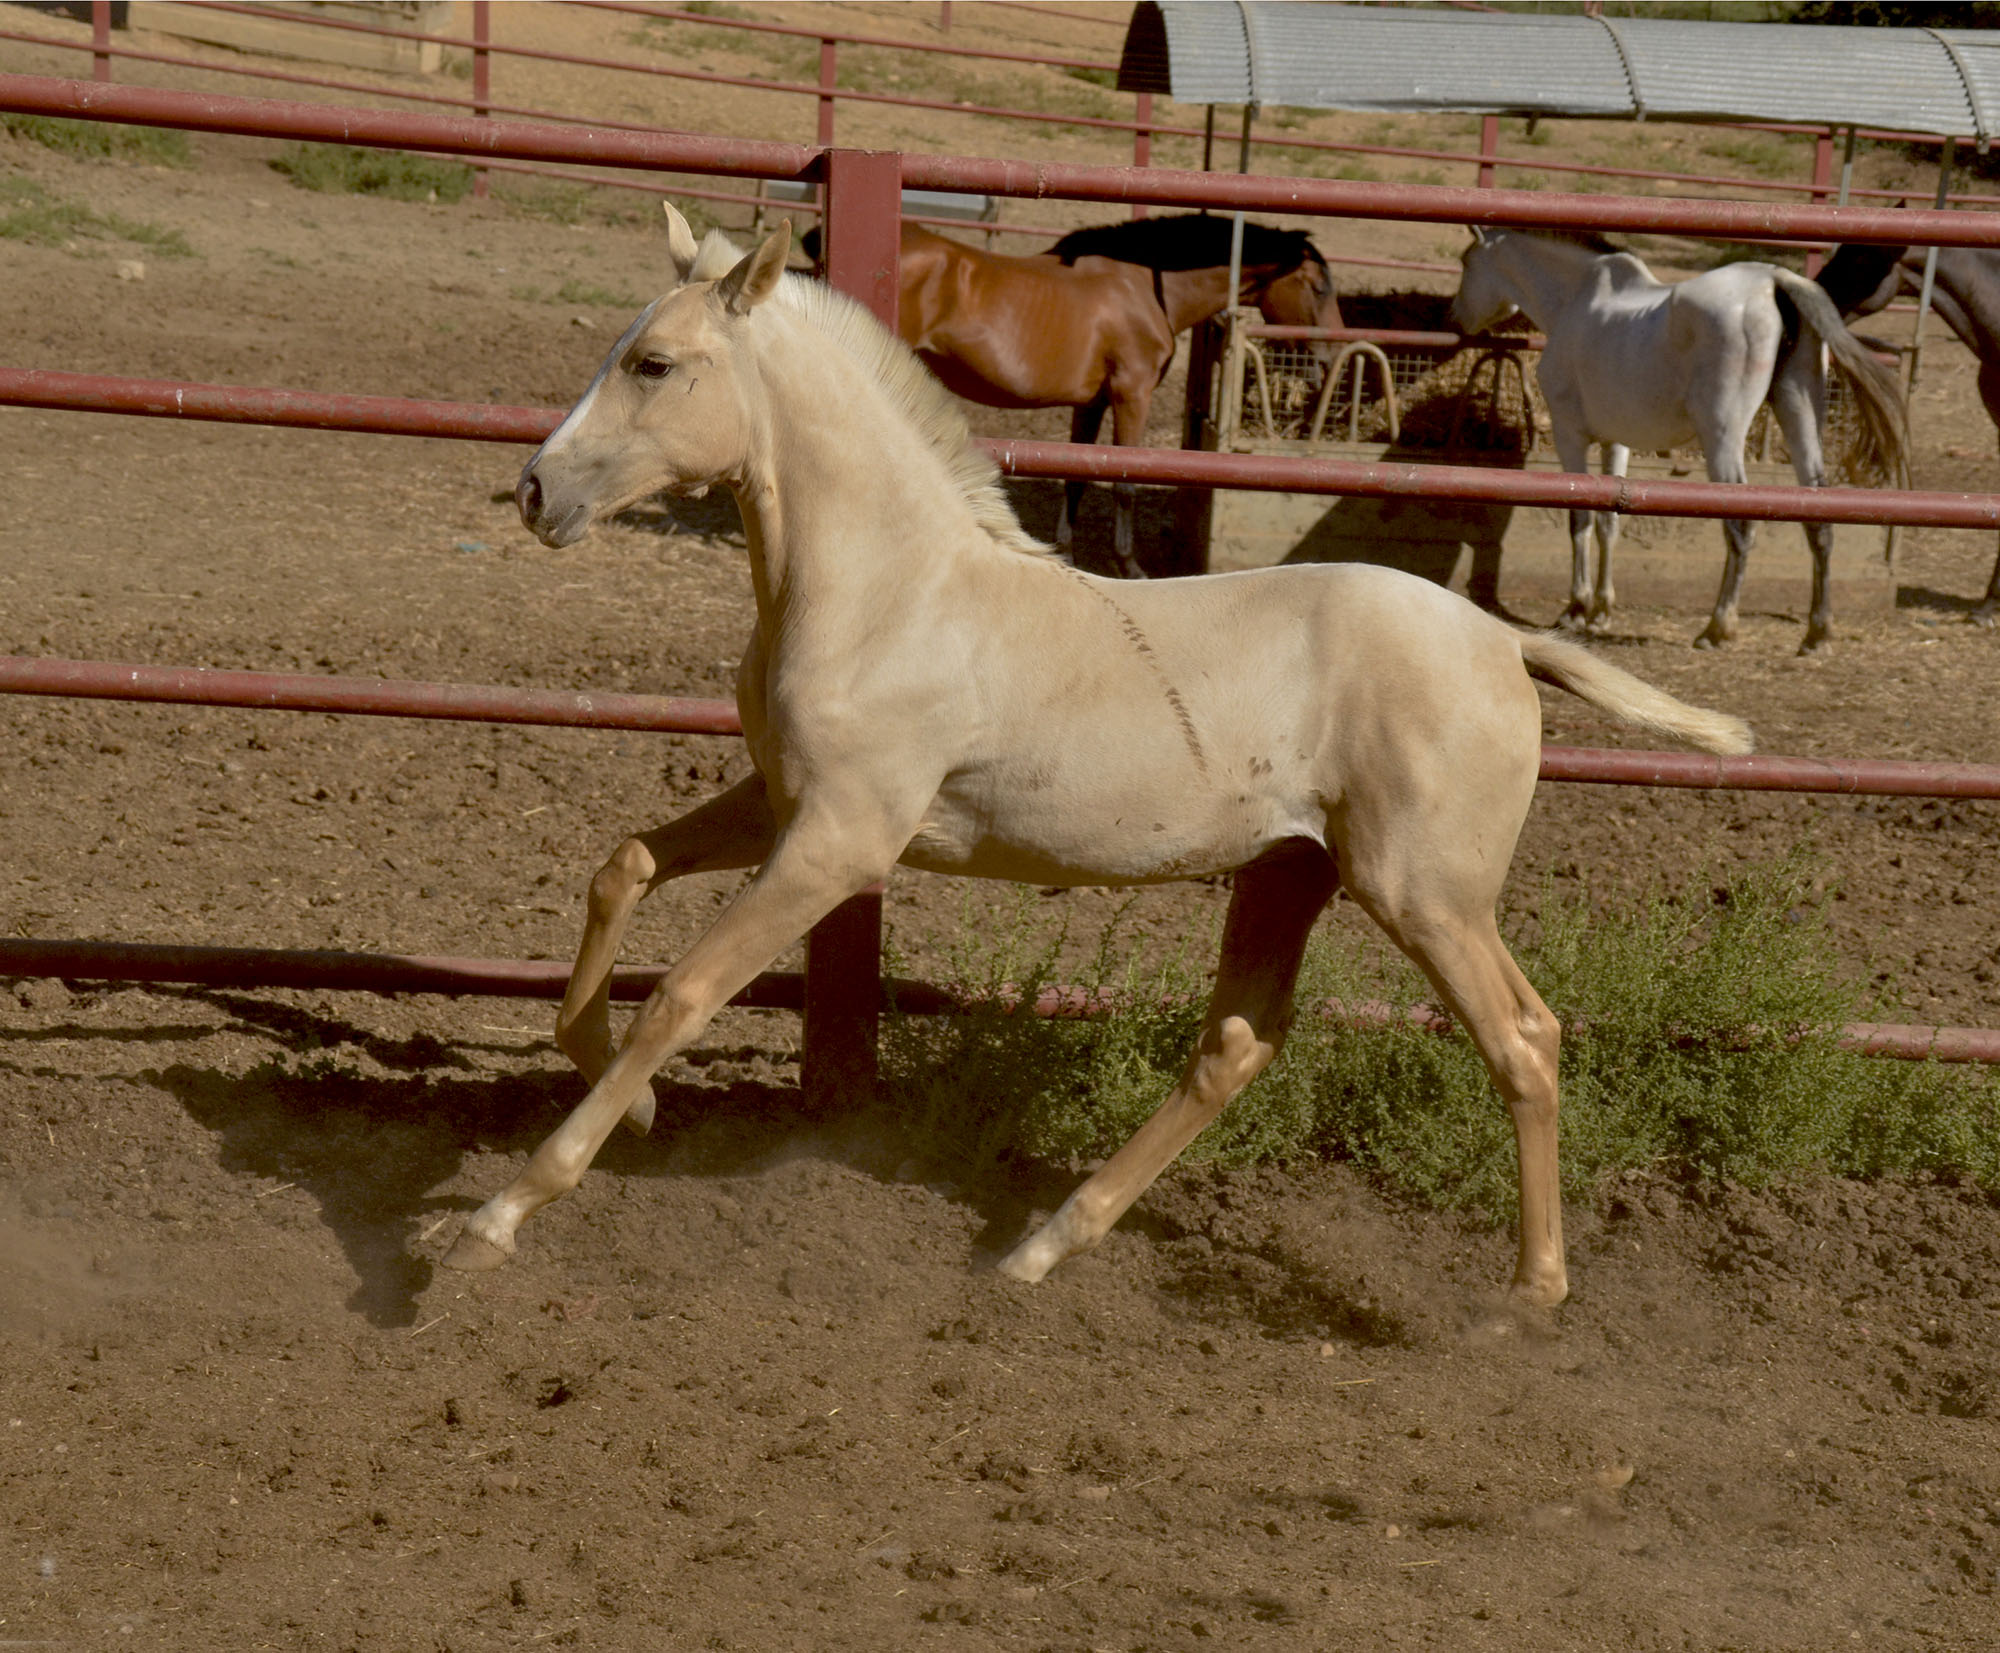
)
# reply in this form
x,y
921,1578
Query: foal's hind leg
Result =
x,y
1270,915
1467,962
729,831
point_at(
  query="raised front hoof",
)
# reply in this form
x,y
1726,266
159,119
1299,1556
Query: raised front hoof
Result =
x,y
474,1255
639,1117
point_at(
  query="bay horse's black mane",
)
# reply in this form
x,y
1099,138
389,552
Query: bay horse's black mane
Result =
x,y
1186,241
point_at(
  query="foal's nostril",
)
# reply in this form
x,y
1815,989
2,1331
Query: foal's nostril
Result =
x,y
528,497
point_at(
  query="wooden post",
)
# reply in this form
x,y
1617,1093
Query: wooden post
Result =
x,y
100,39
1822,179
1489,146
862,235
481,85
1142,141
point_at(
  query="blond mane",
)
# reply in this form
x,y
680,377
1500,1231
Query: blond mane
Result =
x,y
910,387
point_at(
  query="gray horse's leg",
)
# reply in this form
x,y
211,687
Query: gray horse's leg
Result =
x,y
1798,396
1989,609
1722,448
1573,453
1616,457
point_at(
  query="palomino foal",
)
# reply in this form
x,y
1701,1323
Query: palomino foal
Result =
x,y
924,684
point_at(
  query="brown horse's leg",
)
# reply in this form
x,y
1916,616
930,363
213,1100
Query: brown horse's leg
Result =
x,y
1270,915
1084,424
733,830
1131,402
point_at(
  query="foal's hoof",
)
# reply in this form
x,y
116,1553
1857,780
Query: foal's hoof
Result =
x,y
1985,615
474,1255
639,1117
1573,618
1713,638
1821,644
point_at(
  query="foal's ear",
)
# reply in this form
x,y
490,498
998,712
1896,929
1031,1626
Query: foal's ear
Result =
x,y
681,248
1478,234
756,277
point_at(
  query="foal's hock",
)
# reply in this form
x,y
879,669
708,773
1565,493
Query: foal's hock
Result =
x,y
924,684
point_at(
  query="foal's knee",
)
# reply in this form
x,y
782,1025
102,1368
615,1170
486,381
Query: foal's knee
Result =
x,y
627,869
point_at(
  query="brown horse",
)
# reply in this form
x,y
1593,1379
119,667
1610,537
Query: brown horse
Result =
x,y
1091,323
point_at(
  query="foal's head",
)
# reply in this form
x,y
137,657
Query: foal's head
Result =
x,y
667,409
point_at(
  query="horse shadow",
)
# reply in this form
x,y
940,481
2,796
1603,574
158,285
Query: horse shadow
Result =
x,y
1427,537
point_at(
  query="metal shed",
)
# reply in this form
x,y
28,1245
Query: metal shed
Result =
x,y
1939,82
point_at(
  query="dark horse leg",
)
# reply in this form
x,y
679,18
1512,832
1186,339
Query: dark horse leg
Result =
x,y
1084,424
1988,611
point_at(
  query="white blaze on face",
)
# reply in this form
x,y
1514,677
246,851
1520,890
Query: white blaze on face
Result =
x,y
581,411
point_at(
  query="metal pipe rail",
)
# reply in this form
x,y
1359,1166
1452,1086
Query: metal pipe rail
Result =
x,y
750,158
661,714
329,970
386,415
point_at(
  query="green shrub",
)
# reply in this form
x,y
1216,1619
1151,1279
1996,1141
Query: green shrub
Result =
x,y
101,140
30,213
1700,1037
336,169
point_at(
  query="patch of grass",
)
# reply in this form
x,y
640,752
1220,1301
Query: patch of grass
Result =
x,y
579,292
1699,1038
338,169
100,140
1755,153
30,213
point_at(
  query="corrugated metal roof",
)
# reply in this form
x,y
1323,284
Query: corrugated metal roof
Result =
x,y
1308,55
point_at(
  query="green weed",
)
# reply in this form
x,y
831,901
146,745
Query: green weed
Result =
x,y
100,140
1699,1038
30,213
338,169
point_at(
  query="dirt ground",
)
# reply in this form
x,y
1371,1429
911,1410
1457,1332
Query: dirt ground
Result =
x,y
755,1386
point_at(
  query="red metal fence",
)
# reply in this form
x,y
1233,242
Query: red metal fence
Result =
x,y
827,93
841,992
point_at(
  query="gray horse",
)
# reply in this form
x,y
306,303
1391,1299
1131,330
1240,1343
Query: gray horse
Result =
x,y
1635,362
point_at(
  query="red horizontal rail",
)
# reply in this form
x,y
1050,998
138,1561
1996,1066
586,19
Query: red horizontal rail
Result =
x,y
373,697
660,714
1172,467
331,970
1416,203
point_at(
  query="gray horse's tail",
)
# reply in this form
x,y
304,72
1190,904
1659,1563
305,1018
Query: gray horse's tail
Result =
x,y
1881,443
1631,699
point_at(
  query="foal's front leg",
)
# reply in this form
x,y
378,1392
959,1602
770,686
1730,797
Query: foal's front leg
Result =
x,y
809,873
730,831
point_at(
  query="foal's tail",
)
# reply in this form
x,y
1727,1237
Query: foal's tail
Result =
x,y
1881,443
1633,700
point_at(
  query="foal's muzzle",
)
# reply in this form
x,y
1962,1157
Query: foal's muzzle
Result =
x,y
553,528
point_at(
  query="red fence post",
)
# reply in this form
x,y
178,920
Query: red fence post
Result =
x,y
100,39
481,71
1142,141
829,69
1822,186
1489,145
843,989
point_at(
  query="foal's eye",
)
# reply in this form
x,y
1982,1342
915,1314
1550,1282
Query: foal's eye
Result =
x,y
654,367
